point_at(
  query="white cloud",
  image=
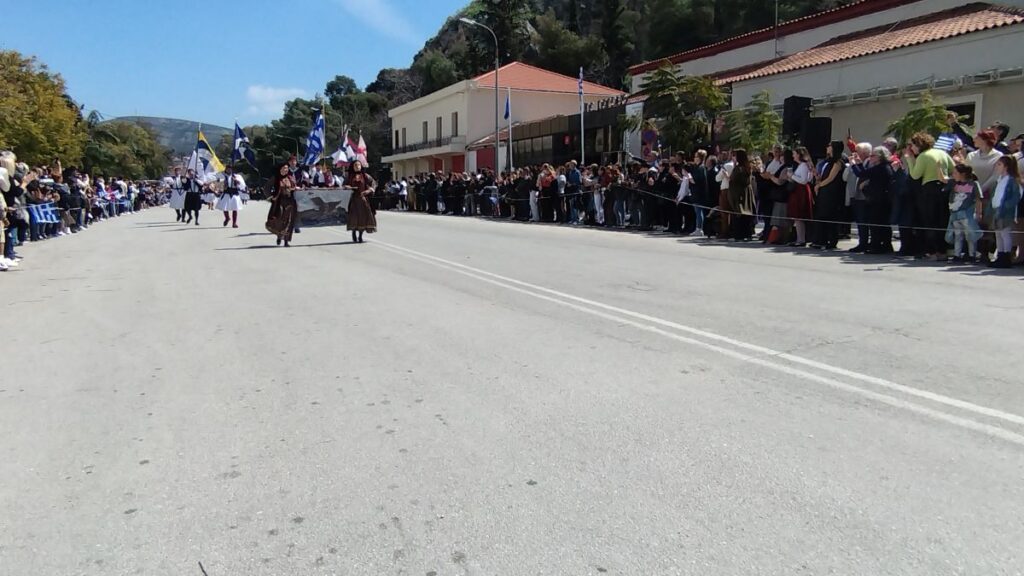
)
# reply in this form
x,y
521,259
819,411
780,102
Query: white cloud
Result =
x,y
269,100
382,17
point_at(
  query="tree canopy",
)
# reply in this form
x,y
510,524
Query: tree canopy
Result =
x,y
38,119
123,149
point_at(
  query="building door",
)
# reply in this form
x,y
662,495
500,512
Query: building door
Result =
x,y
485,158
459,163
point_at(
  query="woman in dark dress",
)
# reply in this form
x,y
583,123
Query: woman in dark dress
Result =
x,y
830,198
193,195
741,197
360,215
283,208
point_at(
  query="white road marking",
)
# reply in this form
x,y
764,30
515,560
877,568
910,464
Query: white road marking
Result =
x,y
763,355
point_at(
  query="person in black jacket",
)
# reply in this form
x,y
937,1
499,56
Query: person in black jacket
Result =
x,y
877,176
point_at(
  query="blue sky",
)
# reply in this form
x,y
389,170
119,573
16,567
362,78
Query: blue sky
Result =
x,y
216,60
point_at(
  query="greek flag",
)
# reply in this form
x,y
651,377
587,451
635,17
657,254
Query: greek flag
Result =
x,y
43,213
946,142
508,105
315,141
580,83
203,160
243,149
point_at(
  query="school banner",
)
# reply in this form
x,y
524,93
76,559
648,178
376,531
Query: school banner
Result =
x,y
322,206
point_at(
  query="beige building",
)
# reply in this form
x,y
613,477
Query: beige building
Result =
x,y
863,63
432,132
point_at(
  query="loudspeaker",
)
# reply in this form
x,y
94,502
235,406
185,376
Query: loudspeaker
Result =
x,y
794,110
815,135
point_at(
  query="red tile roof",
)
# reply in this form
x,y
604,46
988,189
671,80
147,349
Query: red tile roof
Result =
x,y
938,26
838,14
519,76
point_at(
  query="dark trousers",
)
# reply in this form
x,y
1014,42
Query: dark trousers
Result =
x,y
689,215
559,205
859,209
878,214
741,227
933,213
675,218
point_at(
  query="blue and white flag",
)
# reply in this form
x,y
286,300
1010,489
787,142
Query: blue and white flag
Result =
x,y
43,213
946,142
315,141
508,105
581,82
243,149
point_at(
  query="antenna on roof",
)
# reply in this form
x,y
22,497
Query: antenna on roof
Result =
x,y
777,54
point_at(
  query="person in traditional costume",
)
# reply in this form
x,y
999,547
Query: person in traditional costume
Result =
x,y
193,195
177,199
283,208
360,216
230,202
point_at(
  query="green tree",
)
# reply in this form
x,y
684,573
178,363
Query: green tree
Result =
x,y
38,120
683,106
756,127
435,71
126,149
564,51
618,37
510,20
927,115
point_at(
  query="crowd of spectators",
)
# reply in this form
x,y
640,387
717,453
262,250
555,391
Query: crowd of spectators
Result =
x,y
43,202
929,200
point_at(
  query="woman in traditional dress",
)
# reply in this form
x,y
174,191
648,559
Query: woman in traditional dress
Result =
x,y
360,215
800,206
193,195
230,202
741,197
283,208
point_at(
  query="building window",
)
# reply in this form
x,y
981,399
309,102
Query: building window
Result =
x,y
426,135
404,141
396,139
455,124
440,130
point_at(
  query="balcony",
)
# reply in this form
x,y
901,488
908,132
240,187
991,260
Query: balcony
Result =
x,y
432,147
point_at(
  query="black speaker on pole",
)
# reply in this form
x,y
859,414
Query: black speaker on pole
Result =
x,y
794,110
815,135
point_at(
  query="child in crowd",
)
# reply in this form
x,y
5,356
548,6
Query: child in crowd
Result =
x,y
963,195
1005,199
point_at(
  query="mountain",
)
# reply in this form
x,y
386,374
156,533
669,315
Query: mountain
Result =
x,y
177,135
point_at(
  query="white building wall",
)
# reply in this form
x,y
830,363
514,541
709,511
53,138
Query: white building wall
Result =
x,y
867,121
794,43
942,59
412,120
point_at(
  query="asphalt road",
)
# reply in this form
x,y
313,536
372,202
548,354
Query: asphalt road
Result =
x,y
467,397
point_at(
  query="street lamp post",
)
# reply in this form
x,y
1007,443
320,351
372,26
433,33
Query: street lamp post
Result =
x,y
497,63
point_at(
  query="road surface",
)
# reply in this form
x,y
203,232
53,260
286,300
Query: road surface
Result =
x,y
468,397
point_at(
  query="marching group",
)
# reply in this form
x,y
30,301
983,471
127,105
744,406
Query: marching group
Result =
x,y
41,202
955,198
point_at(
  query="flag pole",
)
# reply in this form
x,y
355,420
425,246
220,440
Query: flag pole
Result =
x,y
583,148
511,163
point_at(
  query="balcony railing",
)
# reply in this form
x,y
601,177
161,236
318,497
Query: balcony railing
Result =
x,y
432,143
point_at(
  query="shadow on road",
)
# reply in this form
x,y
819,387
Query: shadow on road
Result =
x,y
265,246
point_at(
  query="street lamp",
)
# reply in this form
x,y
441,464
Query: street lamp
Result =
x,y
497,61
